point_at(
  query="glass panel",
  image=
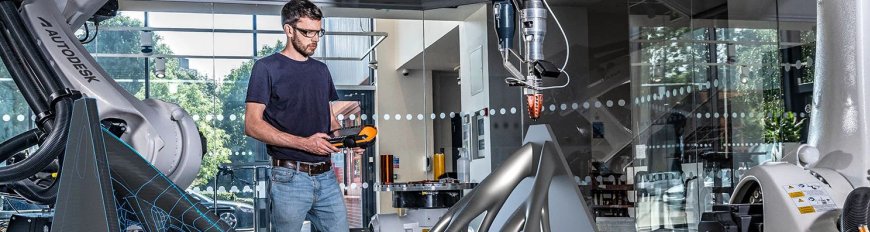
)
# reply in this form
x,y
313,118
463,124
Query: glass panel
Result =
x,y
116,42
348,165
349,72
180,20
233,21
269,22
403,93
233,44
710,102
135,16
185,43
128,72
271,42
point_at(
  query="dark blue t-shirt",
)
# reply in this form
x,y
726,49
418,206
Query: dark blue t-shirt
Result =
x,y
297,96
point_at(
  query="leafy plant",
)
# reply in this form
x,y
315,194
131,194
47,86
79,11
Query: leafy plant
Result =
x,y
783,127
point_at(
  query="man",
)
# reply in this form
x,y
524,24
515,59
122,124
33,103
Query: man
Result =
x,y
287,108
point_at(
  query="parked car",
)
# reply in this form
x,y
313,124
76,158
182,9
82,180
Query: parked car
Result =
x,y
237,215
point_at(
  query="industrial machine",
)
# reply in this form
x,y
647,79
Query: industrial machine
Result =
x,y
122,163
823,187
424,201
533,23
357,136
534,189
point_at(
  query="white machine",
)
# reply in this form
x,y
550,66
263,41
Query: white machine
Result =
x,y
161,132
103,155
809,193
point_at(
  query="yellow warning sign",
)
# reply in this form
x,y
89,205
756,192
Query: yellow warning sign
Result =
x,y
425,230
810,197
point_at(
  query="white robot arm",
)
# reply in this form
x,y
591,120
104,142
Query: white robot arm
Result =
x,y
163,133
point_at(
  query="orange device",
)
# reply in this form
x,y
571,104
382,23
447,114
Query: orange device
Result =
x,y
358,136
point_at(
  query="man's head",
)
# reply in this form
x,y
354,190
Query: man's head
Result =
x,y
302,24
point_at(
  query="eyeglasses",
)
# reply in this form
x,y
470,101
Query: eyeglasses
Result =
x,y
310,33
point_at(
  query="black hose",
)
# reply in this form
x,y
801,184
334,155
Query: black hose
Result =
x,y
53,146
38,194
18,143
31,92
23,43
856,210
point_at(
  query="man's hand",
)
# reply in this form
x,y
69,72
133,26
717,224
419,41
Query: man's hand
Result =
x,y
318,144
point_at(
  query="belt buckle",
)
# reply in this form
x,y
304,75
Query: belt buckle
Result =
x,y
307,164
310,166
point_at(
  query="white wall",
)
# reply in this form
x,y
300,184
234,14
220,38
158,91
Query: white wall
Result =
x,y
414,34
410,141
473,35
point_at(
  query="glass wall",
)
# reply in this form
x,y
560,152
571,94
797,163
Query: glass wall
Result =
x,y
208,59
668,103
717,91
202,62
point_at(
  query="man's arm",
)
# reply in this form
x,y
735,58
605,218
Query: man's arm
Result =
x,y
259,129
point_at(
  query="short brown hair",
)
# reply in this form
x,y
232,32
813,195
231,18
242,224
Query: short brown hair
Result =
x,y
296,9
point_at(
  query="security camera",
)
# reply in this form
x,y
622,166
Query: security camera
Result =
x,y
160,67
405,72
146,41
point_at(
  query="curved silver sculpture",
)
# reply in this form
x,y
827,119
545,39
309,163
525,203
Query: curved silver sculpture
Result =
x,y
533,190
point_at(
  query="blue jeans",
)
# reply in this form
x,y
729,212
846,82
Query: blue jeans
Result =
x,y
297,196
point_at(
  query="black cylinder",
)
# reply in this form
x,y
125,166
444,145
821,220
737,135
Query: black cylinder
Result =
x,y
53,146
23,80
24,44
46,195
856,210
18,143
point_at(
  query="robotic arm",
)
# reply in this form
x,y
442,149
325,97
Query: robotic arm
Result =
x,y
51,68
533,22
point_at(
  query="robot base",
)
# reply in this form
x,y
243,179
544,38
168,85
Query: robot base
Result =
x,y
792,199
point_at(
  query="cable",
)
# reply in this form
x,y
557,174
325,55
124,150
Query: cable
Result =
x,y
561,86
87,33
567,45
96,32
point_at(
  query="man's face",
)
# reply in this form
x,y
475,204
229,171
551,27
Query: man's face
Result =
x,y
304,35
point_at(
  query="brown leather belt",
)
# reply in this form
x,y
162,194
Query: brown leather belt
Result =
x,y
310,168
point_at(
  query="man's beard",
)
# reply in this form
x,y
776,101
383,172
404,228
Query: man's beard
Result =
x,y
301,48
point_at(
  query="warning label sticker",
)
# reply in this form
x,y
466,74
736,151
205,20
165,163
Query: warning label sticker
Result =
x,y
810,198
